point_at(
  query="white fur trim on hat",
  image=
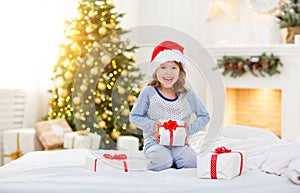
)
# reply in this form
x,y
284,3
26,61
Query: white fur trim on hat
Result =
x,y
167,56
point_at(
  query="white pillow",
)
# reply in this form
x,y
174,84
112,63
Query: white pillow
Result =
x,y
245,132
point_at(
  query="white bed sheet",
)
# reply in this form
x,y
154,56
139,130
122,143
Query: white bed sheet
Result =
x,y
64,171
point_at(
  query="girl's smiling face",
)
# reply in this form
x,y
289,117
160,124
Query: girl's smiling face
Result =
x,y
168,74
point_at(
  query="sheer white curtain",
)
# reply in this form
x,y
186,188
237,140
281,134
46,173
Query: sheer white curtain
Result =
x,y
31,32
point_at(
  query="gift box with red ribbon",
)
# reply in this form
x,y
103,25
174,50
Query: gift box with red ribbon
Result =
x,y
223,163
112,160
172,133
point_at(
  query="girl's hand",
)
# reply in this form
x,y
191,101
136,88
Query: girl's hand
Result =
x,y
157,125
186,126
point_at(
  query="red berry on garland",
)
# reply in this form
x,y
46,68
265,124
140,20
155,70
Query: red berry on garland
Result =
x,y
234,65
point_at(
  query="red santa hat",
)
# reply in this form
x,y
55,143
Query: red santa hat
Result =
x,y
167,51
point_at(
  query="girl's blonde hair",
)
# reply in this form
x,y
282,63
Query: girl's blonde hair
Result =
x,y
179,84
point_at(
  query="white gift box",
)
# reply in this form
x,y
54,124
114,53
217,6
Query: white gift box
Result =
x,y
221,165
127,143
75,140
51,133
174,137
17,142
117,161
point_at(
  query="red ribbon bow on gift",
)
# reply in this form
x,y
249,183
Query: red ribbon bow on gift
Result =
x,y
222,150
120,157
213,164
170,125
115,156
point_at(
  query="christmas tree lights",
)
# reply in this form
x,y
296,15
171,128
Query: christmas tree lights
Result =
x,y
95,80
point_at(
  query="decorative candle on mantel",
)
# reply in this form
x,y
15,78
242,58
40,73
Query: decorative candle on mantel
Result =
x,y
130,143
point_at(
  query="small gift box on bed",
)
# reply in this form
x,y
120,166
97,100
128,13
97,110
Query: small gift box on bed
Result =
x,y
81,139
112,160
51,133
172,133
17,142
223,163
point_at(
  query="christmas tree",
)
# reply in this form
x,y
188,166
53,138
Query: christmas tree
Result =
x,y
95,81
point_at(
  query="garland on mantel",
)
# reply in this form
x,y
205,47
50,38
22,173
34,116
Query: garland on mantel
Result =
x,y
257,65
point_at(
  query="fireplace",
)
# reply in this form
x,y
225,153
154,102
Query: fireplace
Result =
x,y
281,117
254,107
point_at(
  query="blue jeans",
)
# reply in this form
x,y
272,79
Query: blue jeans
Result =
x,y
164,157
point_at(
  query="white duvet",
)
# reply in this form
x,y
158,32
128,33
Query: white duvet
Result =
x,y
265,151
273,166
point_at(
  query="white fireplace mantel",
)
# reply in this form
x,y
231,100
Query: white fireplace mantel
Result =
x,y
288,80
278,49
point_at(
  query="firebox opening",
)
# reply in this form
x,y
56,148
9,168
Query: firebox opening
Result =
x,y
254,107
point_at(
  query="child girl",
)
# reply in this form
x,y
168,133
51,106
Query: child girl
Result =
x,y
166,98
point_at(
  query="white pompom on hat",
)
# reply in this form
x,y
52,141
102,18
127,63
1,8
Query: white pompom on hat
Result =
x,y
167,51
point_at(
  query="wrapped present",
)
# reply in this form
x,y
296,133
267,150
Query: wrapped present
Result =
x,y
113,160
173,133
126,142
17,142
81,139
51,133
223,163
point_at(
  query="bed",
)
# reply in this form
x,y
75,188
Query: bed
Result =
x,y
273,165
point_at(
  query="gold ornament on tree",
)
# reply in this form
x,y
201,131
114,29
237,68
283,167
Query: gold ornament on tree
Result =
x,y
124,73
68,75
102,31
102,124
94,71
61,102
77,115
62,92
125,112
131,98
101,86
104,116
115,134
121,90
83,88
76,100
89,29
97,100
90,60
